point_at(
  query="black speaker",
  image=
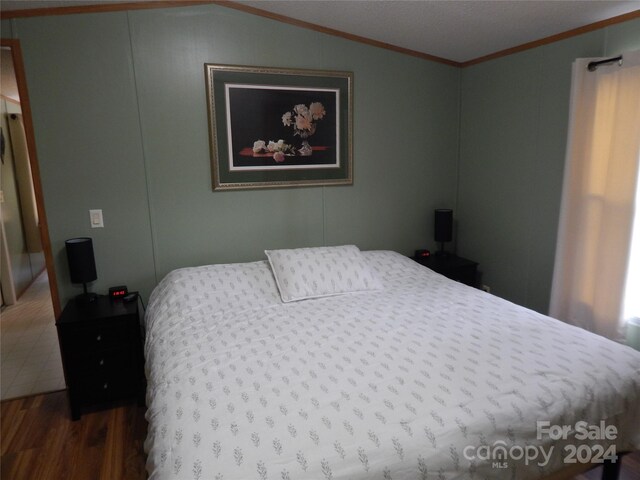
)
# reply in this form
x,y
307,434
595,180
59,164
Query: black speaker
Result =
x,y
443,226
82,264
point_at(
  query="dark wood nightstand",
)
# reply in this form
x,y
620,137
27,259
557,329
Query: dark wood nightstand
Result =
x,y
101,348
453,267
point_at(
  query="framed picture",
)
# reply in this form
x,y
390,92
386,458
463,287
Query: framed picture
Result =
x,y
274,127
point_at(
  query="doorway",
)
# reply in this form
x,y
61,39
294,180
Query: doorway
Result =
x,y
29,354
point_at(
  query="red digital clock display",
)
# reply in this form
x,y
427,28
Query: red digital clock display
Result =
x,y
118,292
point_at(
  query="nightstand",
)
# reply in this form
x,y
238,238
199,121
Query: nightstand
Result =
x,y
453,267
101,348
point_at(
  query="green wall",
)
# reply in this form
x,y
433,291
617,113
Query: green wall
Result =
x,y
120,117
119,112
5,28
513,137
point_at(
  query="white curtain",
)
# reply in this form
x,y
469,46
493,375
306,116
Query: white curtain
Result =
x,y
598,198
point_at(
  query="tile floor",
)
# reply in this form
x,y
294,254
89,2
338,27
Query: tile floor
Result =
x,y
29,353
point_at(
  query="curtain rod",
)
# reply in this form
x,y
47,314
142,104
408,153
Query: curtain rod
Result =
x,y
592,67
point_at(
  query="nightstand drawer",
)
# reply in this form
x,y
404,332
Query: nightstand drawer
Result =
x,y
83,365
453,267
103,362
100,337
465,274
103,388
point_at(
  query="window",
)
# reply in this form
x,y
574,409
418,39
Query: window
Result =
x,y
594,285
631,307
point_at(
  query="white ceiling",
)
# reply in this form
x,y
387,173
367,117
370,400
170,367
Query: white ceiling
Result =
x,y
454,29
458,30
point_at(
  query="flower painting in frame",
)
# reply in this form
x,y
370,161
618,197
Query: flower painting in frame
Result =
x,y
274,127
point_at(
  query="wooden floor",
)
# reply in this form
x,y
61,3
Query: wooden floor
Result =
x,y
630,469
39,441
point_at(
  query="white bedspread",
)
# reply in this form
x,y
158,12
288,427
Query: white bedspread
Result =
x,y
403,383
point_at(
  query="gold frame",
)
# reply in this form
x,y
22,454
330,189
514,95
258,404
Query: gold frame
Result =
x,y
224,179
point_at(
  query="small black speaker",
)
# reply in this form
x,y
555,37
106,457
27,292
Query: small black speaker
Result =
x,y
82,264
443,225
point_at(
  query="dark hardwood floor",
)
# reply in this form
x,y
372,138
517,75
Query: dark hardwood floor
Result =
x,y
630,469
38,441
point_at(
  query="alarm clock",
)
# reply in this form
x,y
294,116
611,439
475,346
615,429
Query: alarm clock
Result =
x,y
116,293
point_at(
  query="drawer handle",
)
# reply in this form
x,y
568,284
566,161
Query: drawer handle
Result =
x,y
105,386
101,362
98,338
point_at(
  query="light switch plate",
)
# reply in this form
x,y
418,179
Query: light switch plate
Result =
x,y
95,217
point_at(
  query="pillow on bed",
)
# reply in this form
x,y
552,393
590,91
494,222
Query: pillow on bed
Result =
x,y
320,272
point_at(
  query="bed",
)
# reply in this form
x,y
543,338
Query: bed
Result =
x,y
404,375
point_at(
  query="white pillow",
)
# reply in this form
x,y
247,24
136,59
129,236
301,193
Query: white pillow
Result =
x,y
304,273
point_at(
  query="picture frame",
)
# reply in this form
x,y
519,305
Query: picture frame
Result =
x,y
279,127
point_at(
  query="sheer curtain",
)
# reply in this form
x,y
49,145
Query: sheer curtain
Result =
x,y
598,198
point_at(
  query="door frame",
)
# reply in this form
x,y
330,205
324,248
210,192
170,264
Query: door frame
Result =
x,y
18,65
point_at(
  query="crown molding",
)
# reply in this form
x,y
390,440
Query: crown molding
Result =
x,y
554,38
113,7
